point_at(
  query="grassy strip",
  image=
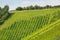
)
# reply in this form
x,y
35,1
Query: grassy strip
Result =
x,y
43,30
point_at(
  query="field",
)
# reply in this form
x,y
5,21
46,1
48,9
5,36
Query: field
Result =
x,y
32,25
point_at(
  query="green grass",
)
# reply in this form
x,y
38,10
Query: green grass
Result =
x,y
23,24
49,32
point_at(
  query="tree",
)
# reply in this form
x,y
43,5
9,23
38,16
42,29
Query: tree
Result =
x,y
6,8
0,12
31,7
0,8
37,7
5,12
48,6
19,8
27,8
57,6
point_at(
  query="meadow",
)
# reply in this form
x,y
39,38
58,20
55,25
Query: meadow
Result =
x,y
32,25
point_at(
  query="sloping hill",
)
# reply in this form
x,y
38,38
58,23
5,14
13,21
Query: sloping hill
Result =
x,y
24,23
50,32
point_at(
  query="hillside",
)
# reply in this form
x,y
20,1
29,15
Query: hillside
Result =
x,y
25,23
51,32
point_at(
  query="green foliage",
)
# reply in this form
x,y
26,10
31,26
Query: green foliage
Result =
x,y
19,8
4,13
0,12
36,7
29,8
47,6
51,32
25,23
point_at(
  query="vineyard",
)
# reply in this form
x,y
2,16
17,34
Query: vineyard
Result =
x,y
32,25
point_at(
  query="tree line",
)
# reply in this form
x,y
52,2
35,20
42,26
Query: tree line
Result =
x,y
4,13
36,7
